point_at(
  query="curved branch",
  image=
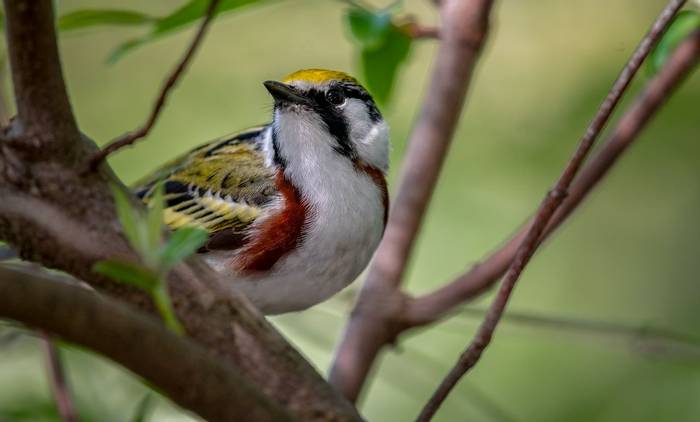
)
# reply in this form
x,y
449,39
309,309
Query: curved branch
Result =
x,y
463,32
189,375
657,92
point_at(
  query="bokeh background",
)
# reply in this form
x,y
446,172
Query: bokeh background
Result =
x,y
628,256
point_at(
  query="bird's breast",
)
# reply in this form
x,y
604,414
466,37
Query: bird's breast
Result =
x,y
343,226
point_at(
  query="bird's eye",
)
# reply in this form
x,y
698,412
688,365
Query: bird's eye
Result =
x,y
335,96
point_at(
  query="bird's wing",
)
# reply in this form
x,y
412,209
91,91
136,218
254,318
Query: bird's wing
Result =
x,y
222,187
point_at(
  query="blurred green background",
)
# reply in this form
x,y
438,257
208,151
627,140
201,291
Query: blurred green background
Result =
x,y
629,255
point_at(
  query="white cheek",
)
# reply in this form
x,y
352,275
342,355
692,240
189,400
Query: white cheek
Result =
x,y
371,138
355,112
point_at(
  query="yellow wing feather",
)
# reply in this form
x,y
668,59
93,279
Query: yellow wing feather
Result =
x,y
221,187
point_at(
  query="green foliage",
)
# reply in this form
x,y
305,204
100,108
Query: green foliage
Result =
x,y
154,219
193,11
183,243
133,223
181,18
383,46
683,25
128,272
144,233
380,66
82,19
369,29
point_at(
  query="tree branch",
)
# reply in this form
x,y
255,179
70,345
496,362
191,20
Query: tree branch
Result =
x,y
647,341
57,378
418,32
184,371
42,108
433,306
657,92
131,137
464,28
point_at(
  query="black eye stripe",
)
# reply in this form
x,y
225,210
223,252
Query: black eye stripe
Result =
x,y
334,121
332,115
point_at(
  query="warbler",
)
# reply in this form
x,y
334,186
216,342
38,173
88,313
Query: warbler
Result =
x,y
295,208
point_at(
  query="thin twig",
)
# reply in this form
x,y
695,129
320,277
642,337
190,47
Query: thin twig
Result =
x,y
417,31
432,306
131,137
485,402
650,341
59,384
658,90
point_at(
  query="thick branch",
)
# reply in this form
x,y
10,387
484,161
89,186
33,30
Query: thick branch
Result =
x,y
193,378
33,52
464,28
432,306
657,92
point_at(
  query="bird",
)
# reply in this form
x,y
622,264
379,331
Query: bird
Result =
x,y
295,208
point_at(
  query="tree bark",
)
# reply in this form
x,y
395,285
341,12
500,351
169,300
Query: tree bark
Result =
x,y
184,371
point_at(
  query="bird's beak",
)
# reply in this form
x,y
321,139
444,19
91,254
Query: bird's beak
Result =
x,y
284,93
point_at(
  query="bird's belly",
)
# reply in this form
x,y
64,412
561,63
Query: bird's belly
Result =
x,y
317,269
309,275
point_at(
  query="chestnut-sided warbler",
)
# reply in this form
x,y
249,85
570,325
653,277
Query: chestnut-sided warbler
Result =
x,y
295,208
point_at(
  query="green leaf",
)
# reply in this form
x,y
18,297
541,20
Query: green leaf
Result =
x,y
89,18
182,18
155,217
193,11
369,29
120,51
144,408
131,220
380,65
129,273
683,24
183,243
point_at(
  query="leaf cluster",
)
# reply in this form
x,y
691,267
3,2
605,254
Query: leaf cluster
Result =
x,y
144,231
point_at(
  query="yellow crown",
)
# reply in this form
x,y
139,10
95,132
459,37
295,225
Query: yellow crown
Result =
x,y
318,76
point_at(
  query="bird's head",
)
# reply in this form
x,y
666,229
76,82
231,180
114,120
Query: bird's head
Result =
x,y
322,113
